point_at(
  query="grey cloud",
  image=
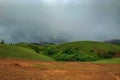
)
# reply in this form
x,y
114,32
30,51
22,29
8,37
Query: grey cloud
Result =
x,y
71,20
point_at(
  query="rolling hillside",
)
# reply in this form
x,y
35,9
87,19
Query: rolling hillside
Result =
x,y
87,46
84,51
17,52
36,48
72,51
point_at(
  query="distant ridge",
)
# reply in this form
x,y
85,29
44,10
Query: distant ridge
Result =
x,y
113,41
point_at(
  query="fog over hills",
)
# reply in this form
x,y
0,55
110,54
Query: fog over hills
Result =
x,y
59,20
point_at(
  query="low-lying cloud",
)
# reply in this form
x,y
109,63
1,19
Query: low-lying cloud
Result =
x,y
54,20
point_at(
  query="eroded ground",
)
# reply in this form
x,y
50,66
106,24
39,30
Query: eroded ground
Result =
x,y
35,70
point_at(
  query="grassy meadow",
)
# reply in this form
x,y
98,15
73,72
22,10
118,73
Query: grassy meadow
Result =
x,y
83,51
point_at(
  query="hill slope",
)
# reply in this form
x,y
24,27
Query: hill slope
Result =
x,y
114,41
8,51
36,48
72,51
84,51
87,46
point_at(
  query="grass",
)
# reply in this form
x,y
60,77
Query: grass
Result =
x,y
83,51
110,61
87,46
72,51
79,46
36,48
17,52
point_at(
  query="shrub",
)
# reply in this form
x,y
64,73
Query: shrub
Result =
x,y
35,48
72,54
2,41
60,57
70,50
110,54
51,51
91,50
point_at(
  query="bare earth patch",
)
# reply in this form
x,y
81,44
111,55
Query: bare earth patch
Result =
x,y
35,70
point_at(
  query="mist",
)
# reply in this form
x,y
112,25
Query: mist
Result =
x,y
59,20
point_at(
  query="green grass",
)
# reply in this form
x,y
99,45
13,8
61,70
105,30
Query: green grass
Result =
x,y
84,50
86,46
17,52
36,48
72,51
109,61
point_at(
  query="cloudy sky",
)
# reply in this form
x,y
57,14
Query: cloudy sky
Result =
x,y
55,20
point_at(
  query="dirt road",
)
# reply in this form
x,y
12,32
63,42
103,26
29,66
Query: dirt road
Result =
x,y
35,70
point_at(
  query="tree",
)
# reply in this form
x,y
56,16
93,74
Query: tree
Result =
x,y
2,41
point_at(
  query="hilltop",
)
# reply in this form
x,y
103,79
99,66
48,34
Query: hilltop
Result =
x,y
18,52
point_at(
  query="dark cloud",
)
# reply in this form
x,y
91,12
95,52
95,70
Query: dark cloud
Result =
x,y
54,20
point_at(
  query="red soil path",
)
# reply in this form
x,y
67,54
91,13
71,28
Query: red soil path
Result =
x,y
34,70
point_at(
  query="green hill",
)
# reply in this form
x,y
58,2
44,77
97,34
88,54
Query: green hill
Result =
x,y
90,46
72,51
17,52
84,51
36,48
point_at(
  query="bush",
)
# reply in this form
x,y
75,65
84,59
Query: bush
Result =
x,y
75,57
60,57
72,54
70,50
91,50
110,54
2,41
51,51
35,48
85,57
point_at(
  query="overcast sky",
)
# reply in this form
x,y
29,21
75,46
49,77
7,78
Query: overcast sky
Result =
x,y
54,20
